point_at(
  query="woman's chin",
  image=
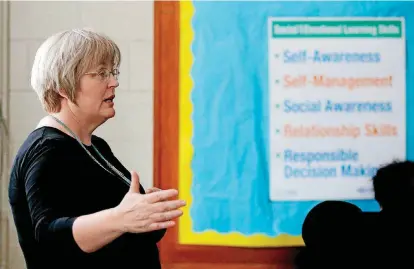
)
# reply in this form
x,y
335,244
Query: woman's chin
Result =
x,y
108,114
111,115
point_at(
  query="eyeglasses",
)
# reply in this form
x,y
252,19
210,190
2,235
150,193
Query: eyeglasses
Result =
x,y
105,74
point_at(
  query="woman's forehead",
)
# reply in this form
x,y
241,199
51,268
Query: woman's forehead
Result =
x,y
103,65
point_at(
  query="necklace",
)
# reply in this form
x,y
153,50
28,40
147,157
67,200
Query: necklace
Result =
x,y
113,168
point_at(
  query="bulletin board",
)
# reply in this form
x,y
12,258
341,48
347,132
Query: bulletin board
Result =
x,y
224,119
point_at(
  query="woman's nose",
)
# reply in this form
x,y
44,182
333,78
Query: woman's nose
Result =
x,y
113,81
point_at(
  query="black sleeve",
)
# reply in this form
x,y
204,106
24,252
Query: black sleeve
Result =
x,y
51,228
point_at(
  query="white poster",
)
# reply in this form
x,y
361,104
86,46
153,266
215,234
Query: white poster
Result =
x,y
337,105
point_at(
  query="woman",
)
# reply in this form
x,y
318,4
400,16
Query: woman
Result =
x,y
74,204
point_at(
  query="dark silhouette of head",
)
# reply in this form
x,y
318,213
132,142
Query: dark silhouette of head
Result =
x,y
394,186
330,232
330,224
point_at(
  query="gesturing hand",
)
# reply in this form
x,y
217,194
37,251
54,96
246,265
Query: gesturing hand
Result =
x,y
147,212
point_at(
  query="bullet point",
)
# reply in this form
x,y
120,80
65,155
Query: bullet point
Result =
x,y
276,55
277,105
277,131
276,81
277,155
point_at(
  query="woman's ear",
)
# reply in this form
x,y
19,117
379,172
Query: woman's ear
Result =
x,y
63,94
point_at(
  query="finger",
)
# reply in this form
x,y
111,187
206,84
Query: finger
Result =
x,y
166,216
151,190
160,195
168,205
134,188
161,225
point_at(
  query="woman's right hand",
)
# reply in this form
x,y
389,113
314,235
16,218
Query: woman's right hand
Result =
x,y
140,213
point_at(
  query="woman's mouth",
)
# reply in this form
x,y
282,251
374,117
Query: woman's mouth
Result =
x,y
110,99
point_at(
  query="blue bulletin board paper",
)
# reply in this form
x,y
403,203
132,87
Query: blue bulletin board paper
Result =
x,y
224,119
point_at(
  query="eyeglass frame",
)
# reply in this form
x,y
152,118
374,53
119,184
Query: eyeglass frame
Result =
x,y
115,73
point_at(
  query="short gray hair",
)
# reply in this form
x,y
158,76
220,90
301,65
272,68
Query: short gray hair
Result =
x,y
63,58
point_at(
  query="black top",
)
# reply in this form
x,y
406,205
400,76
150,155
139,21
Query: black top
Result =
x,y
53,181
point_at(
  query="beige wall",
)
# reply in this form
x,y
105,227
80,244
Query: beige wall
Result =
x,y
130,24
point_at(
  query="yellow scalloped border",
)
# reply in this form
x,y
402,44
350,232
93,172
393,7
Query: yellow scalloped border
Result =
x,y
186,234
